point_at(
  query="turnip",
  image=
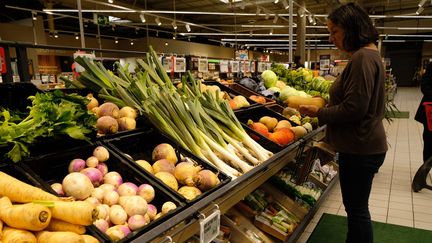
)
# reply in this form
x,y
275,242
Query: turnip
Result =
x,y
137,221
101,153
58,188
103,210
115,233
168,179
189,192
108,109
126,123
77,185
117,215
127,189
113,178
184,172
128,111
106,125
151,211
92,103
101,224
125,228
147,192
93,201
111,198
95,110
76,165
133,205
163,165
98,193
107,187
92,162
103,168
206,180
168,206
146,165
94,175
164,151
158,216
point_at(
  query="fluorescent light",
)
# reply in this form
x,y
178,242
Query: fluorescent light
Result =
x,y
393,40
158,22
174,25
421,3
142,17
188,28
285,4
262,26
414,28
419,10
414,36
246,34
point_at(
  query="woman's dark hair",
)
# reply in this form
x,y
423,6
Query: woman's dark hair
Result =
x,y
358,27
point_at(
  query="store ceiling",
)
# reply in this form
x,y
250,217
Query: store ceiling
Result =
x,y
229,22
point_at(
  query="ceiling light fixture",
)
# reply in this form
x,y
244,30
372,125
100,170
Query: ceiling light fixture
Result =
x,y
56,35
131,43
258,11
310,18
188,28
267,15
271,32
34,15
111,1
174,37
419,10
301,13
76,36
116,40
242,5
158,22
174,25
166,43
142,17
275,19
421,3
285,4
276,1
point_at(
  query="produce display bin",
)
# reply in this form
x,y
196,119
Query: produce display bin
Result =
x,y
14,95
140,146
248,92
255,114
28,177
58,168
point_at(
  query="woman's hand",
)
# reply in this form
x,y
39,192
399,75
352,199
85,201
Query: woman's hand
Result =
x,y
309,110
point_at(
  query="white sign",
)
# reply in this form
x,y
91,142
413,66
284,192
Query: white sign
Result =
x,y
209,227
202,65
223,65
234,66
180,65
262,66
167,63
252,67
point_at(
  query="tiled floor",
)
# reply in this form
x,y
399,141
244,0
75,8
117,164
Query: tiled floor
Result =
x,y
392,200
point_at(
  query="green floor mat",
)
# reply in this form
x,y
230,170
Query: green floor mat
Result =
x,y
397,114
332,229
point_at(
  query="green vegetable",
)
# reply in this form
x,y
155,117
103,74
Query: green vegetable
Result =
x,y
51,114
270,78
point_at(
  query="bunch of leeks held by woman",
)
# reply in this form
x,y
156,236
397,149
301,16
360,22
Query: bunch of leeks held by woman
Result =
x,y
197,119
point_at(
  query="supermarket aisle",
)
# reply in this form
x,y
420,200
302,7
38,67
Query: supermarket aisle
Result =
x,y
392,200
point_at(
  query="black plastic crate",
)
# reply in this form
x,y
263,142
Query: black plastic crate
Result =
x,y
255,114
58,168
140,146
248,92
14,95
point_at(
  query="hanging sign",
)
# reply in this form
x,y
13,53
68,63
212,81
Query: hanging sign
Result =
x,y
242,55
209,227
203,65
2,61
223,65
180,64
234,66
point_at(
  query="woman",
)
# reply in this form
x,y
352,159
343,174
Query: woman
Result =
x,y
354,114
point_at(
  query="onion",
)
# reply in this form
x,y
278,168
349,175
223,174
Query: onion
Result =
x,y
206,180
127,189
113,178
117,215
189,192
147,192
58,188
184,172
168,179
76,165
168,206
103,210
101,224
94,175
101,153
92,162
111,198
163,165
164,151
77,185
103,168
151,211
128,111
137,221
115,233
133,205
93,201
146,165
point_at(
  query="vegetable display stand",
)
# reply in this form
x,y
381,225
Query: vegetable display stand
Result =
x,y
140,146
248,93
58,164
14,95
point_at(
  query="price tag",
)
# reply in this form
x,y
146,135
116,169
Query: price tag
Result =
x,y
223,66
235,66
209,227
180,65
202,65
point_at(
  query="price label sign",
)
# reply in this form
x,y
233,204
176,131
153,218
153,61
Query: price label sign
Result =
x,y
235,66
262,66
203,65
223,65
180,65
209,227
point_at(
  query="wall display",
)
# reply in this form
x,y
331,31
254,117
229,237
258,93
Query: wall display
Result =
x,y
180,64
223,66
202,65
234,66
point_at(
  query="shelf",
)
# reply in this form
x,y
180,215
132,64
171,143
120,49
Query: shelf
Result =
x,y
186,223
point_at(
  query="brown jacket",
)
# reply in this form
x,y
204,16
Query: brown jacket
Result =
x,y
356,109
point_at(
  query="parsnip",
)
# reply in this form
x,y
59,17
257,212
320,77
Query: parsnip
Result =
x,y
11,235
79,212
60,225
58,237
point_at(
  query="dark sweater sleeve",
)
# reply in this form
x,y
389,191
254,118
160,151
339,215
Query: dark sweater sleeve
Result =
x,y
357,87
426,82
